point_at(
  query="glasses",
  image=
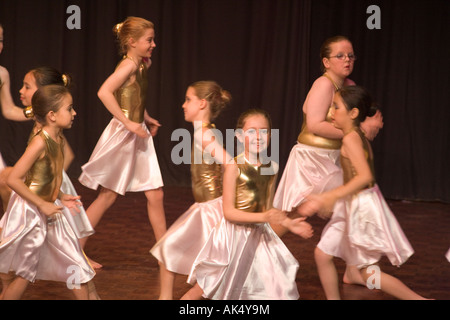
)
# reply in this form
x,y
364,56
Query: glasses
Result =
x,y
341,56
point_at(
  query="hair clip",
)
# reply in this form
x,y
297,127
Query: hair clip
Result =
x,y
64,79
28,112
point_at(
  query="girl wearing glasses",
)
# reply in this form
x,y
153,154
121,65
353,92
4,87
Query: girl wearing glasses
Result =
x,y
313,164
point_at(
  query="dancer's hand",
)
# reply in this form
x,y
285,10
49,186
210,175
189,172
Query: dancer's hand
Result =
x,y
137,129
152,125
299,227
322,204
71,202
49,208
275,216
372,125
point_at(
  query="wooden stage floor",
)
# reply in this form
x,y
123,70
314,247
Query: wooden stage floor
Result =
x,y
124,236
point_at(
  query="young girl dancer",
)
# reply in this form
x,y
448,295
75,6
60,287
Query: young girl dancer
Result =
x,y
362,227
37,242
34,79
178,248
313,164
243,258
123,94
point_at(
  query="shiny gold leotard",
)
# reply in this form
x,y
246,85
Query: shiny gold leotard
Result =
x,y
310,139
349,170
254,191
45,176
206,178
131,97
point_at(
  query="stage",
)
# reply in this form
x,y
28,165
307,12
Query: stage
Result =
x,y
124,237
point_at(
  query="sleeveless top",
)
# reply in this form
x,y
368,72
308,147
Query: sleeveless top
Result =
x,y
311,139
349,171
254,191
131,98
45,176
206,176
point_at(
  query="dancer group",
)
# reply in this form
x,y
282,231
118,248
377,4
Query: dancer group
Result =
x,y
229,242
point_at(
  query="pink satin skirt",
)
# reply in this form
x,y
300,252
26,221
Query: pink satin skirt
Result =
x,y
78,221
363,229
122,162
245,262
185,238
308,170
447,255
34,246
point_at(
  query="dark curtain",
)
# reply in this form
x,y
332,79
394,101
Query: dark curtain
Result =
x,y
265,52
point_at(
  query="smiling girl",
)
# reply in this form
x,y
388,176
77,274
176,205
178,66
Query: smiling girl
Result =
x,y
37,242
243,258
126,145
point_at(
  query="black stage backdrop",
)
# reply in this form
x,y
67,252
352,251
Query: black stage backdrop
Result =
x,y
265,52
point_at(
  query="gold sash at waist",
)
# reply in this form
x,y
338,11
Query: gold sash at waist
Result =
x,y
310,139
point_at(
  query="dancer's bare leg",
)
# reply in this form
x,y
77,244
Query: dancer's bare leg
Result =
x,y
16,289
155,210
195,293
103,202
167,279
6,279
352,275
82,293
328,274
393,286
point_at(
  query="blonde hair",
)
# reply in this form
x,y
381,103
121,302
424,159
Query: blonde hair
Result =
x,y
212,92
131,28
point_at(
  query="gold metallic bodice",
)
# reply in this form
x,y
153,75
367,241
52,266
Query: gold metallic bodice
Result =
x,y
349,171
131,97
206,176
45,176
254,191
311,139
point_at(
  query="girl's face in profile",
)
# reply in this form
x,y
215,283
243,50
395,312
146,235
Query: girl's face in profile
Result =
x,y
66,113
256,134
191,106
145,44
28,89
340,116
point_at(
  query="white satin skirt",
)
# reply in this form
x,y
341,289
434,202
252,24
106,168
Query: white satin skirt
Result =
x,y
185,238
245,262
308,170
122,162
34,246
447,255
79,221
363,229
